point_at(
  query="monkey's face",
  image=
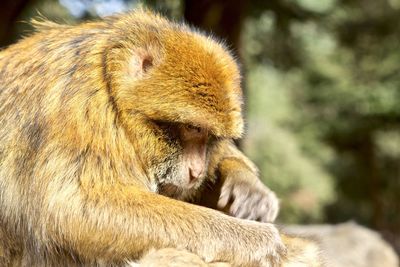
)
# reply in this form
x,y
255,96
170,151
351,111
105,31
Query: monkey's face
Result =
x,y
183,169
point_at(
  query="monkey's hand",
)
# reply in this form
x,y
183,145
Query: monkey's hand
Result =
x,y
243,195
271,251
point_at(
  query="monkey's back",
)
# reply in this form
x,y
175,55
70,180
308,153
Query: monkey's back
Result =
x,y
51,87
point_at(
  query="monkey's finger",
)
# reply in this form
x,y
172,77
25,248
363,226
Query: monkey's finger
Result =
x,y
241,210
223,201
272,213
256,208
248,207
225,196
241,205
267,209
265,214
272,203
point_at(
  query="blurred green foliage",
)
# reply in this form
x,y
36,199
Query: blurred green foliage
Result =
x,y
277,147
324,108
324,111
323,100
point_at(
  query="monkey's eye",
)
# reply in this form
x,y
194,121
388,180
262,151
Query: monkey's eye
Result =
x,y
190,132
193,129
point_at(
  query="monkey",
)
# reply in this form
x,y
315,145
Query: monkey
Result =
x,y
109,130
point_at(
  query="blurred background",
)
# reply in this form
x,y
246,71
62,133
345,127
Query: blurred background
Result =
x,y
322,86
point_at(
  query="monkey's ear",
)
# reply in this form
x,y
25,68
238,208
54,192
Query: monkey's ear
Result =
x,y
140,63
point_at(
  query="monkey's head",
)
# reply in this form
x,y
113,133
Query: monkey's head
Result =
x,y
177,91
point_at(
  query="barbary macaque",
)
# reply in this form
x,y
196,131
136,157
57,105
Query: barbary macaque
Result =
x,y
108,130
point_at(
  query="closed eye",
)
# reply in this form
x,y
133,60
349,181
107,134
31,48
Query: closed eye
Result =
x,y
193,129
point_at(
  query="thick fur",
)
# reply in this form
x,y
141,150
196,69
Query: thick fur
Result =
x,y
81,154
301,252
169,257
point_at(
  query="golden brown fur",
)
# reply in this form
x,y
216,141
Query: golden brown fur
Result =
x,y
83,159
301,252
170,257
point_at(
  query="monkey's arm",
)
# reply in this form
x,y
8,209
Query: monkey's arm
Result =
x,y
301,252
238,190
119,222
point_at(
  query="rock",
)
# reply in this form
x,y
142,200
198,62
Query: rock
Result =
x,y
348,245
